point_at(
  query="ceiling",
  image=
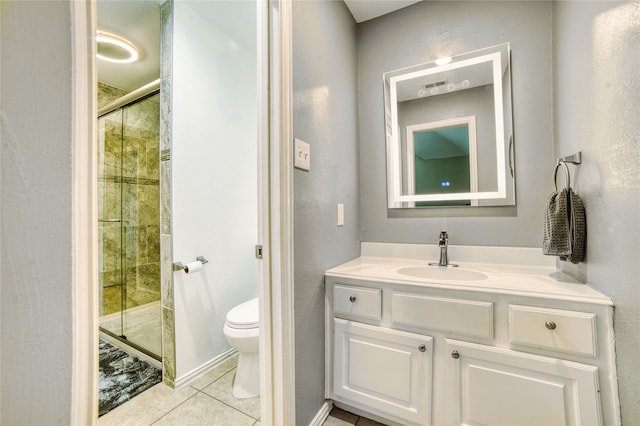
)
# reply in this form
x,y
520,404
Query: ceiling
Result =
x,y
364,10
139,22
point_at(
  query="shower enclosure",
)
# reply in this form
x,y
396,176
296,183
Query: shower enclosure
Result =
x,y
129,219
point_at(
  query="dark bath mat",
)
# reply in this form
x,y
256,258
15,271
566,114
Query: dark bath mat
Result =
x,y
122,376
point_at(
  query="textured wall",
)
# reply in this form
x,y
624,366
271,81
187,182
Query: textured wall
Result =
x,y
324,115
596,110
36,323
421,33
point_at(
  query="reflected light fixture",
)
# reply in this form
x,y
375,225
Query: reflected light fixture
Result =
x,y
114,48
443,61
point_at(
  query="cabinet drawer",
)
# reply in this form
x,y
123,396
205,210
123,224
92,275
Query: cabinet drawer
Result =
x,y
359,301
558,330
466,317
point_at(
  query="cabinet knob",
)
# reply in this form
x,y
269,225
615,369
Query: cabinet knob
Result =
x,y
550,325
352,299
455,355
422,348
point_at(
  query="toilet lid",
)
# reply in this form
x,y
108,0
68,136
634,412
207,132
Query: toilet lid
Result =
x,y
245,315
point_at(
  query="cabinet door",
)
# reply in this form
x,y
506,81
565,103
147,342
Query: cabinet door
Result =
x,y
384,371
496,386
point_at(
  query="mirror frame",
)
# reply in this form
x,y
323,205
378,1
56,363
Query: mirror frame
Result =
x,y
500,65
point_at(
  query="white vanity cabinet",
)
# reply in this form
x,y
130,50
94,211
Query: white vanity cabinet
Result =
x,y
488,385
383,369
415,353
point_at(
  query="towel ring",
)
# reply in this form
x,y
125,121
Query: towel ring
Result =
x,y
566,174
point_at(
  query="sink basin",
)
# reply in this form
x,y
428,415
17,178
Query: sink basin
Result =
x,y
437,273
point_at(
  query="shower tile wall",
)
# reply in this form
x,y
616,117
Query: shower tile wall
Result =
x,y
166,273
129,191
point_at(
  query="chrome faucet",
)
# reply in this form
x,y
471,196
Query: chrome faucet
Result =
x,y
443,244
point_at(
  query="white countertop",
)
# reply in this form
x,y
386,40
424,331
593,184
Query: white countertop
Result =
x,y
523,271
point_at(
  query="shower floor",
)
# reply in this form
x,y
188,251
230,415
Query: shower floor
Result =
x,y
142,326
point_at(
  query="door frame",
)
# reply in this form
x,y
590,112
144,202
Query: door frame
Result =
x,y
84,215
276,128
275,199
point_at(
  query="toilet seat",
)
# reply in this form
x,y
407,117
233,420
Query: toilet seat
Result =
x,y
245,315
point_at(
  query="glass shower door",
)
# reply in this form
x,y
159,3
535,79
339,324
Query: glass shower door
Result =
x,y
141,223
129,228
110,222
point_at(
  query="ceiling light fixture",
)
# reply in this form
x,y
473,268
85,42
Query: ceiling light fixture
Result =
x,y
443,61
114,48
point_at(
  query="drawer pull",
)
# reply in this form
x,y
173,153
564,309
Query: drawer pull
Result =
x,y
422,348
455,355
550,325
352,299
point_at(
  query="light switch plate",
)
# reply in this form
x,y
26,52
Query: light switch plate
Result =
x,y
301,155
340,214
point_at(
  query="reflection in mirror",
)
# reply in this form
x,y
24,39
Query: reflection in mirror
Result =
x,y
441,159
449,132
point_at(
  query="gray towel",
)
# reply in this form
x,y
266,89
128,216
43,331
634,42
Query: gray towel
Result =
x,y
565,226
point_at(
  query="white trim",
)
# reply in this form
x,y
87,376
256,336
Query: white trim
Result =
x,y
84,219
267,343
204,368
281,212
322,414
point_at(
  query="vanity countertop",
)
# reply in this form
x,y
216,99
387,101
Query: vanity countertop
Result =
x,y
515,271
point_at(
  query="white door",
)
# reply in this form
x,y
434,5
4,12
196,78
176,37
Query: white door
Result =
x,y
496,386
384,371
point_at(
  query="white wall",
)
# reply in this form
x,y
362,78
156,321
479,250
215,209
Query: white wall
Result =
x,y
596,110
35,120
214,178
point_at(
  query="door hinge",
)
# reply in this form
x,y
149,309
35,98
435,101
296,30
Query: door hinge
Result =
x,y
259,251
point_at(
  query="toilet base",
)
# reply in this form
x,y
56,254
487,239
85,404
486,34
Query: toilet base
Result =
x,y
247,380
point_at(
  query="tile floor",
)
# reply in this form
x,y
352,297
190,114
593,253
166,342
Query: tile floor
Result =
x,y
339,417
205,401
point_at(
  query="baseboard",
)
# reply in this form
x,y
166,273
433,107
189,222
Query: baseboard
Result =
x,y
322,415
204,368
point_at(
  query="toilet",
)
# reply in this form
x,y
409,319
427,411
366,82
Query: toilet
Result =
x,y
241,329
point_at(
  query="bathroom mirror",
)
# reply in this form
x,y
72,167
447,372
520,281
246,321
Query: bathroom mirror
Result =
x,y
449,132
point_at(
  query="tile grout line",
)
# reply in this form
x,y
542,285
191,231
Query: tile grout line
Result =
x,y
209,396
213,397
165,414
